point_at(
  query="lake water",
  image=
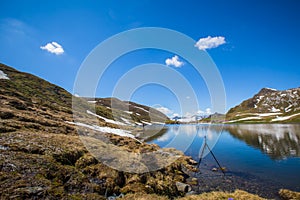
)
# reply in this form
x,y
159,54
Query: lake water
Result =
x,y
262,157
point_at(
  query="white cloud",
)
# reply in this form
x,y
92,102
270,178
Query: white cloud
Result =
x,y
210,42
3,75
164,110
200,112
174,61
188,115
187,97
208,111
175,115
53,47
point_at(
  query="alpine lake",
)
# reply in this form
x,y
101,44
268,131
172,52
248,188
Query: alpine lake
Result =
x,y
258,158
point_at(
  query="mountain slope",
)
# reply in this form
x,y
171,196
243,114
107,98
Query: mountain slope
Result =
x,y
43,157
28,102
31,101
127,112
268,105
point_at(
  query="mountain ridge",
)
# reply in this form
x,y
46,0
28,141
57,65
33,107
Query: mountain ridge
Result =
x,y
268,106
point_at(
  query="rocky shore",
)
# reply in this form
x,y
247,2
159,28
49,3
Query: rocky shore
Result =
x,y
56,166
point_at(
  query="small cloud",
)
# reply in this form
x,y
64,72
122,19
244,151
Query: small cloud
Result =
x,y
164,110
174,61
210,42
53,47
188,115
208,111
3,75
187,97
200,112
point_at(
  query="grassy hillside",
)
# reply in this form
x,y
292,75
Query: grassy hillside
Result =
x,y
268,106
43,157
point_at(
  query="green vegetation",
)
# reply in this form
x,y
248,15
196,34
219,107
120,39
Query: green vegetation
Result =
x,y
42,156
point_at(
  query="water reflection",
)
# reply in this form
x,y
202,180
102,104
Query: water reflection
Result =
x,y
243,149
278,141
187,137
150,133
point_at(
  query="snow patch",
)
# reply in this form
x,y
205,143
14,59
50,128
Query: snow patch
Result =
x,y
138,114
129,112
271,89
92,101
142,109
260,114
126,121
3,75
244,119
287,109
114,131
268,114
148,123
273,109
283,95
105,119
258,100
285,117
160,123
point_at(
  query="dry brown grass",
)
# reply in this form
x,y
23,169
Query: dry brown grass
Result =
x,y
289,195
236,195
144,197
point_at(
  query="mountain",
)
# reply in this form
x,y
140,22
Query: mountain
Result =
x,y
33,102
213,118
45,156
128,112
268,106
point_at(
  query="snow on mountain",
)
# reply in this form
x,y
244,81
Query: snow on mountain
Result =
x,y
3,75
269,105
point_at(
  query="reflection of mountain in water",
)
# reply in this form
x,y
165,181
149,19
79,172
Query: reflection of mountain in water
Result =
x,y
152,132
276,140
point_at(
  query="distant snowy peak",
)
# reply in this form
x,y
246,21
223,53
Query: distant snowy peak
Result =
x,y
284,103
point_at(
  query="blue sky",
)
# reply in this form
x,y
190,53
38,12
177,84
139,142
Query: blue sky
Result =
x,y
261,49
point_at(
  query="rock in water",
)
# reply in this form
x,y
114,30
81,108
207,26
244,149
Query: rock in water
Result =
x,y
182,187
